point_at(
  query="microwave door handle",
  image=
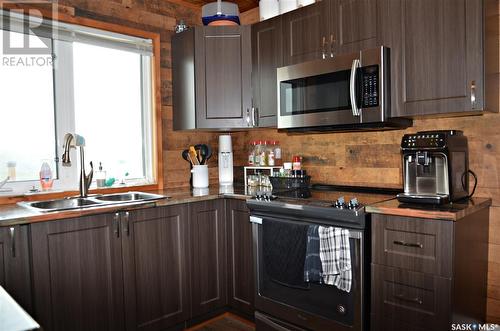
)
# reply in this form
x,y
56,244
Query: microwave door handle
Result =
x,y
355,110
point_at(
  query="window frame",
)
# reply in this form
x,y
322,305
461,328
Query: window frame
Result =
x,y
154,124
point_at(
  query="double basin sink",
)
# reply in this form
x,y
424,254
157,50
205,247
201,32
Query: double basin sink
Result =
x,y
92,201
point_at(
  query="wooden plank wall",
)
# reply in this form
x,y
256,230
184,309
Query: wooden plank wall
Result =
x,y
373,158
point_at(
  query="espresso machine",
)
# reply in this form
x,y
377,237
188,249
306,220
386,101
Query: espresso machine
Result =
x,y
435,167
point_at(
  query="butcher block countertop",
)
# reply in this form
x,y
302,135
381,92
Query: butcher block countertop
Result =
x,y
450,212
13,214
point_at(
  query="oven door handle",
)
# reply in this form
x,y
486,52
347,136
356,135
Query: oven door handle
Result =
x,y
354,105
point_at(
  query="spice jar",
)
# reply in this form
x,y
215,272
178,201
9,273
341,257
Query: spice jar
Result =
x,y
297,162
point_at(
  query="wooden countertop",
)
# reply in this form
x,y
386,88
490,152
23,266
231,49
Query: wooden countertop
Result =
x,y
13,214
451,212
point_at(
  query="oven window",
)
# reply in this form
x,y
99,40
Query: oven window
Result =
x,y
327,92
323,300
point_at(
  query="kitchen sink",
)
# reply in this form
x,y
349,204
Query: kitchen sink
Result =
x,y
62,204
92,201
128,197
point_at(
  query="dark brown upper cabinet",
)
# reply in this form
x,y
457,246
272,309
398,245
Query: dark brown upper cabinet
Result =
x,y
329,28
267,55
212,78
306,33
353,25
15,264
207,238
436,55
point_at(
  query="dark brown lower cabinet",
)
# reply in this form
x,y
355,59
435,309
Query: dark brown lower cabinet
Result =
x,y
77,274
15,264
155,267
149,269
240,257
207,239
123,271
428,273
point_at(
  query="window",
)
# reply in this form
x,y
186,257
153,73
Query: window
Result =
x,y
98,85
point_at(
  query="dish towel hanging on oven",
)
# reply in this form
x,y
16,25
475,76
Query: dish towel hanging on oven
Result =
x,y
313,271
335,254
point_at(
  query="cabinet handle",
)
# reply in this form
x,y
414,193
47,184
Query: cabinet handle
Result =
x,y
253,117
412,300
12,234
116,225
127,229
403,243
332,43
248,117
473,94
323,46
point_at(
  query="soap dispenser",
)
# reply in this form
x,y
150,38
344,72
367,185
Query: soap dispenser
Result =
x,y
100,176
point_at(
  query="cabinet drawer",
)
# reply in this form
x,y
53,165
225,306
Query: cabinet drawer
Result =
x,y
421,300
421,245
389,324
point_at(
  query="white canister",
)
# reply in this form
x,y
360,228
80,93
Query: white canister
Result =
x,y
268,9
302,3
287,5
200,176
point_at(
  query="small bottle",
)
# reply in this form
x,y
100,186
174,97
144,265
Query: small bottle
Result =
x,y
297,163
251,154
277,152
11,170
46,179
100,177
258,144
270,158
263,154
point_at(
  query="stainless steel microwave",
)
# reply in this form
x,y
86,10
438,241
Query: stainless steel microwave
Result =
x,y
347,92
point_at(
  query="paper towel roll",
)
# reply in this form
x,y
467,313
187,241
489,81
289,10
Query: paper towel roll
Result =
x,y
302,3
268,9
287,5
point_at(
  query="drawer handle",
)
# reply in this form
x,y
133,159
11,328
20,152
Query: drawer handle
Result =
x,y
403,243
413,300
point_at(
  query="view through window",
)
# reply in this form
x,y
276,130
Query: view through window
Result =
x,y
95,87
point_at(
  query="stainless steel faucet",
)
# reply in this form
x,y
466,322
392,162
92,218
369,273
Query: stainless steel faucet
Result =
x,y
74,140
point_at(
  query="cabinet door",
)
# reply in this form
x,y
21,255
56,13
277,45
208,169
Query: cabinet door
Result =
x,y
436,55
14,264
267,55
207,237
306,33
223,68
354,26
77,274
240,257
155,275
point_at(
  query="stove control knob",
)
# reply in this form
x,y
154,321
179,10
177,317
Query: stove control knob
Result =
x,y
353,204
340,203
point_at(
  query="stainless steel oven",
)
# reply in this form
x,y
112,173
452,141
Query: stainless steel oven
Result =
x,y
346,92
313,306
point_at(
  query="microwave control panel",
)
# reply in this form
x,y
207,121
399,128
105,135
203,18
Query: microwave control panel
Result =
x,y
369,86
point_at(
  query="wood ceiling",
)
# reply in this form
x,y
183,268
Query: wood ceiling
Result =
x,y
244,5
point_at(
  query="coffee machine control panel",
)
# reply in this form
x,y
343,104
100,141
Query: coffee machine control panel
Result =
x,y
427,140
